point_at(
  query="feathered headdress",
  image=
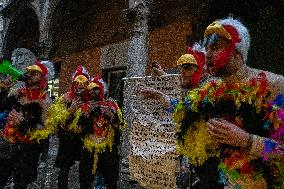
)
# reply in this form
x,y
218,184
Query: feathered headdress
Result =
x,y
237,35
81,74
196,56
99,83
45,67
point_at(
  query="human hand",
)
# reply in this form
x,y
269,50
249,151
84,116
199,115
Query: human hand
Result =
x,y
225,132
157,70
6,83
149,92
75,105
15,117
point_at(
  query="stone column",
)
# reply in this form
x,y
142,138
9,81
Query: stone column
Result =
x,y
137,18
43,49
1,33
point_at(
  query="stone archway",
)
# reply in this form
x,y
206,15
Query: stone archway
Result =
x,y
78,31
22,32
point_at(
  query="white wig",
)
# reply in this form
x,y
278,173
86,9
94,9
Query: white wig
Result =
x,y
243,32
198,47
50,69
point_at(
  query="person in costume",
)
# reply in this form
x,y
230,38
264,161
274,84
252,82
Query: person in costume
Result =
x,y
63,120
95,90
227,42
191,73
102,134
5,146
27,116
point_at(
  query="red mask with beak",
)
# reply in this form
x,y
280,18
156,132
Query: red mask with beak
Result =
x,y
225,32
200,59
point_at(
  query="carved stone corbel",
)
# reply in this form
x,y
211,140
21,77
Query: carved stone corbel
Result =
x,y
137,13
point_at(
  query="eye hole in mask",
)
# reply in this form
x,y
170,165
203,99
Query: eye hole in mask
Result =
x,y
210,40
188,66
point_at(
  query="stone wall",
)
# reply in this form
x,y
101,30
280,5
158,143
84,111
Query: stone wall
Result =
x,y
168,43
89,58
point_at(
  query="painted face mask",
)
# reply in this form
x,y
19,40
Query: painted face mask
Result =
x,y
192,63
97,88
223,38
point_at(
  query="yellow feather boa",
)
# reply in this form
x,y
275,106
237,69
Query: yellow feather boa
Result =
x,y
195,144
98,145
57,116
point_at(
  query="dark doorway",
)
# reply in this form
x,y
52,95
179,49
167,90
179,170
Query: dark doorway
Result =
x,y
114,77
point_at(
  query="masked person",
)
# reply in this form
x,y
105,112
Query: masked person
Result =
x,y
191,74
227,42
26,117
62,119
70,106
102,134
96,92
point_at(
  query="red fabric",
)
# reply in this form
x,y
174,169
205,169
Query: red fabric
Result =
x,y
263,83
200,59
221,59
233,32
44,70
32,94
12,133
101,86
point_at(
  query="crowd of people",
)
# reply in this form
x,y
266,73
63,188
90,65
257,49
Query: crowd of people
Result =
x,y
237,111
86,122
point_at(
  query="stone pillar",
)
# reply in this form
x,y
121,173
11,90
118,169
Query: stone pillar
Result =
x,y
43,49
1,34
137,18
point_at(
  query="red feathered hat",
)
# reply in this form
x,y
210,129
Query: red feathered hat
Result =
x,y
38,66
99,83
81,74
199,56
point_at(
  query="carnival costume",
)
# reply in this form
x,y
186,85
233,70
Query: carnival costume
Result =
x,y
102,134
196,56
77,137
64,122
243,101
25,118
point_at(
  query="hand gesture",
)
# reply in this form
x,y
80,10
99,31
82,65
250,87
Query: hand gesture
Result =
x,y
149,92
6,83
75,105
225,132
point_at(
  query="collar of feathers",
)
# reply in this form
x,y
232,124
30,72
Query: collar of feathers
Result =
x,y
32,94
245,105
21,122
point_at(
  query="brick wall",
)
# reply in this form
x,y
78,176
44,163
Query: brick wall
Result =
x,y
168,43
89,58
